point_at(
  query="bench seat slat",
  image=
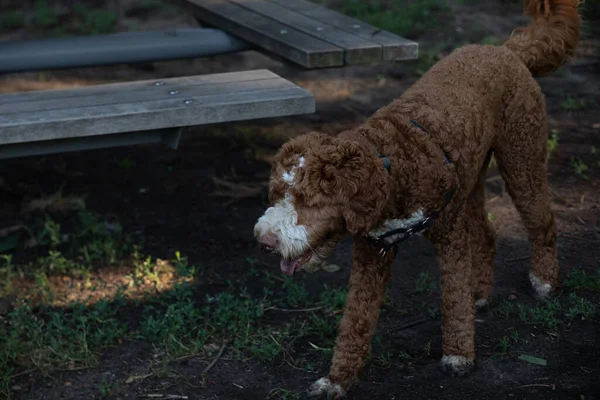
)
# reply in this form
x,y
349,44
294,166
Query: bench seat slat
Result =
x,y
394,47
150,93
357,50
108,88
266,33
259,99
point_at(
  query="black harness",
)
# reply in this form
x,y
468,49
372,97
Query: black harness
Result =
x,y
406,232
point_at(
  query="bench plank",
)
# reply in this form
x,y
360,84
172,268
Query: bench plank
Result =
x,y
204,103
122,87
150,93
395,48
357,50
266,33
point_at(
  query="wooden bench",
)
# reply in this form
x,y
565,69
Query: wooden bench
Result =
x,y
303,32
154,111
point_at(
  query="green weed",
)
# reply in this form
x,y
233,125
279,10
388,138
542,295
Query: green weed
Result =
x,y
573,104
545,315
425,284
552,143
580,168
282,394
580,308
403,18
11,20
56,338
580,280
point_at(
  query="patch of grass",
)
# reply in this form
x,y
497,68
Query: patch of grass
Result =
x,y
11,20
282,394
44,14
56,338
580,168
545,315
94,21
296,293
573,104
425,284
552,142
580,308
491,40
408,19
581,280
503,345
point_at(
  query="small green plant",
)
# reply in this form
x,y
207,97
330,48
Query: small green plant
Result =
x,y
404,18
45,14
573,104
11,20
581,280
491,40
425,284
552,143
296,294
580,168
490,216
503,345
580,308
545,315
282,394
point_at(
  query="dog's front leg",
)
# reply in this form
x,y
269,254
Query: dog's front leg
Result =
x,y
451,243
368,280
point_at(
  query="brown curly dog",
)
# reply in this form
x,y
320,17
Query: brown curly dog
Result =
x,y
419,164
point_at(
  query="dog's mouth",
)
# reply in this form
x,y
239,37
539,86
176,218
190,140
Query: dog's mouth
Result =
x,y
290,266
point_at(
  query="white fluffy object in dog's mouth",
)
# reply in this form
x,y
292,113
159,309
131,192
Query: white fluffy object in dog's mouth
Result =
x,y
289,267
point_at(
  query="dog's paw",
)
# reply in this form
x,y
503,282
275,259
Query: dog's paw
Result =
x,y
456,365
541,289
325,389
481,304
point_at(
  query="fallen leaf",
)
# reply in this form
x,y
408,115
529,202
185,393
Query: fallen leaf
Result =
x,y
331,268
532,360
134,378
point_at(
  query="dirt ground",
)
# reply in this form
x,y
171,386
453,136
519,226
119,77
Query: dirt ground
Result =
x,y
169,201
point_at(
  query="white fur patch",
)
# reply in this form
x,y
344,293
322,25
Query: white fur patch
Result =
x,y
391,224
456,363
325,386
541,288
282,221
481,303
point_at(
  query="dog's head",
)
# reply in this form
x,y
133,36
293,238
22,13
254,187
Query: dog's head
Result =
x,y
321,189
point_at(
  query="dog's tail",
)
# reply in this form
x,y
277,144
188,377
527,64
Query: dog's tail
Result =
x,y
550,38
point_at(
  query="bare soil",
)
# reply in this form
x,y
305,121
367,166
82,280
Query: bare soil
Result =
x,y
166,199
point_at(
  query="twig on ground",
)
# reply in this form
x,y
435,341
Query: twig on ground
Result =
x,y
492,199
216,359
578,238
410,324
166,396
551,386
237,191
294,309
522,258
7,231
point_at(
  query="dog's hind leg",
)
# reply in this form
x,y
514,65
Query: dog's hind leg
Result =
x,y
521,155
483,241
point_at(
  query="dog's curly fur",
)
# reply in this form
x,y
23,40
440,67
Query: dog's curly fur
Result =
x,y
478,101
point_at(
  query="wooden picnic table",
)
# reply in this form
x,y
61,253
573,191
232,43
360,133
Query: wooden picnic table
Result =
x,y
121,114
303,32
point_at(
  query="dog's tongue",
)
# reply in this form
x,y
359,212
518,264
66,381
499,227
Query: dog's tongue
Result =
x,y
288,267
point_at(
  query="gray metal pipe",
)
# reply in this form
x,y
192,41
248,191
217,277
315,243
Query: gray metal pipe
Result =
x,y
118,48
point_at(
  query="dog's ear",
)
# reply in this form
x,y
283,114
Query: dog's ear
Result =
x,y
363,187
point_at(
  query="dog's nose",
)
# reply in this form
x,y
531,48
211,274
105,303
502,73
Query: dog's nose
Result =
x,y
268,243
